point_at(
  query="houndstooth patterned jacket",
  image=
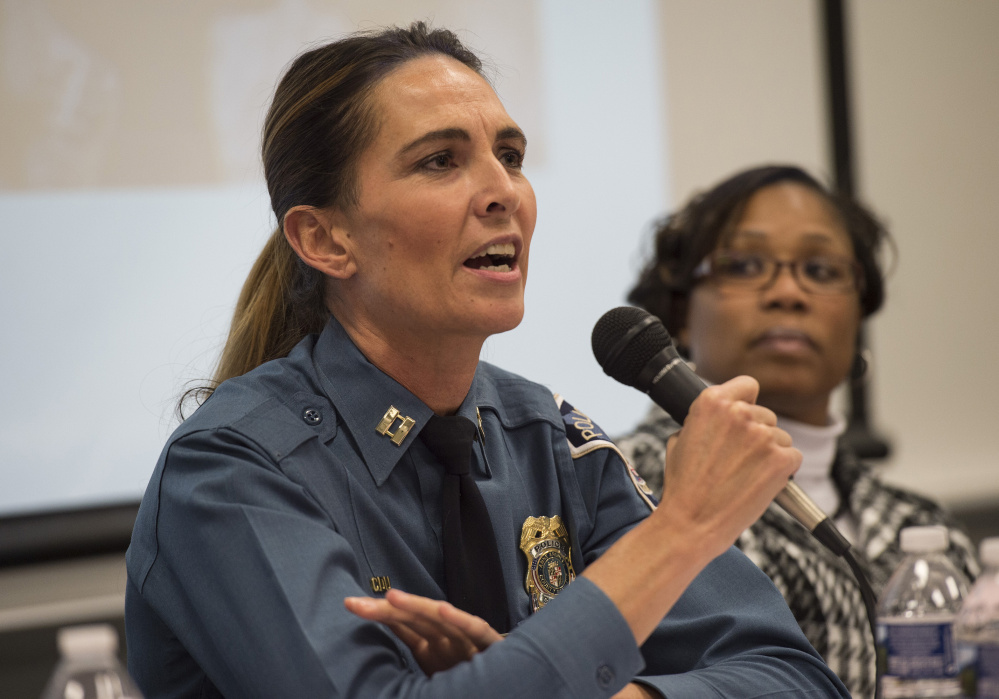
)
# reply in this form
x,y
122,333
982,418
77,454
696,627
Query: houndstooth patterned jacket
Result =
x,y
819,587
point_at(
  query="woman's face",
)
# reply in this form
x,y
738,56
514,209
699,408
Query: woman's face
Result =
x,y
797,344
443,223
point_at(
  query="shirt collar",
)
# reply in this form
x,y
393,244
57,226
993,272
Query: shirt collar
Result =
x,y
818,448
816,443
363,394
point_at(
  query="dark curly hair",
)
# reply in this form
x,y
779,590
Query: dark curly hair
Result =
x,y
684,238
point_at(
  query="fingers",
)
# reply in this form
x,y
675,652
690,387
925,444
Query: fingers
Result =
x,y
415,604
421,617
435,645
439,634
635,691
450,620
477,629
415,641
368,607
782,438
736,398
727,462
744,388
764,416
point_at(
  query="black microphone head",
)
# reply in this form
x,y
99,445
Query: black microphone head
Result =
x,y
625,339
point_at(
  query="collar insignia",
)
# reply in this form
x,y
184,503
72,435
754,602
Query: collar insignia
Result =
x,y
401,432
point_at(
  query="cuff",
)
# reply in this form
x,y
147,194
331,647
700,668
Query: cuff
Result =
x,y
590,645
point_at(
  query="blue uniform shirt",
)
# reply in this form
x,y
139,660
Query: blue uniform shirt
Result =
x,y
278,498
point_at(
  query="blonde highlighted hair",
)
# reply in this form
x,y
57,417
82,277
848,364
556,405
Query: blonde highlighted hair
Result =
x,y
320,121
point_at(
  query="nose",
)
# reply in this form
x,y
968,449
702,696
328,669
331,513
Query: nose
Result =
x,y
784,290
497,195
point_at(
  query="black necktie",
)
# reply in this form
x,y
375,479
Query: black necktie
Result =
x,y
472,571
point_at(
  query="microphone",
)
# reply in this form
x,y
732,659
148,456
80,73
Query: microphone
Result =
x,y
633,347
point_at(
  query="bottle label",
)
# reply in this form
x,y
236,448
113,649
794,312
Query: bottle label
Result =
x,y
979,669
921,648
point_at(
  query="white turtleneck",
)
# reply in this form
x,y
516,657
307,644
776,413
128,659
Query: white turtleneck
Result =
x,y
818,447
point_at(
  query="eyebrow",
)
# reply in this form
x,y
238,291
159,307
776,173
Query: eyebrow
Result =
x,y
458,134
512,133
816,236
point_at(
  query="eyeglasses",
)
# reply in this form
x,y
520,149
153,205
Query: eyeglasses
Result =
x,y
818,274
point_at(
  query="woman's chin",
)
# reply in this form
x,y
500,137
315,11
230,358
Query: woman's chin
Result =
x,y
479,327
505,324
789,395
501,317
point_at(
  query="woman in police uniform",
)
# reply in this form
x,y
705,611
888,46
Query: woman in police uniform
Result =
x,y
405,227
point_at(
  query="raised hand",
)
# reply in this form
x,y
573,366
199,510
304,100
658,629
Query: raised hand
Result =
x,y
726,464
722,470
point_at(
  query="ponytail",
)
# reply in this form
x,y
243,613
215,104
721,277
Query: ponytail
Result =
x,y
281,302
270,318
317,126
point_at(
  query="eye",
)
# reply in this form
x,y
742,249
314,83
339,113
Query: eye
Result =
x,y
438,161
512,158
739,266
825,270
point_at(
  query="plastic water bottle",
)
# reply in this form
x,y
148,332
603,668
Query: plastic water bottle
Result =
x,y
916,614
977,628
89,667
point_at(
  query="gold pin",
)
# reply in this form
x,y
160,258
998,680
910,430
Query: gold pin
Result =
x,y
380,583
482,431
390,416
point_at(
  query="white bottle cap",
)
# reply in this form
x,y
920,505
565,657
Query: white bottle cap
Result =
x,y
88,641
924,539
988,551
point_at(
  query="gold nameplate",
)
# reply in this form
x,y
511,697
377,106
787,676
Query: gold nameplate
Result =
x,y
390,416
380,583
545,542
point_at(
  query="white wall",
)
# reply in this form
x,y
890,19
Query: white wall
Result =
x,y
927,86
133,205
746,86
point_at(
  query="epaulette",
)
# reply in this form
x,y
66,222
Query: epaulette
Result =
x,y
584,436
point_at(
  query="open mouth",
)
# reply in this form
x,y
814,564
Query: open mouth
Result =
x,y
496,258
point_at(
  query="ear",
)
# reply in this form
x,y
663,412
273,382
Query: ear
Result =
x,y
682,338
680,307
321,240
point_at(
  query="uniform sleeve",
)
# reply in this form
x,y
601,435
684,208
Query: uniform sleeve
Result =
x,y
247,585
645,447
730,634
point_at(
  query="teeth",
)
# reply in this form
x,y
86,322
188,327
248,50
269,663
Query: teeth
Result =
x,y
497,268
506,249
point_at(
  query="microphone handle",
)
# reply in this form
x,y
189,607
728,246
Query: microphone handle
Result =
x,y
794,501
670,383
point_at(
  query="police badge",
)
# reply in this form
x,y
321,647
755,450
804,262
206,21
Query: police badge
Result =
x,y
545,542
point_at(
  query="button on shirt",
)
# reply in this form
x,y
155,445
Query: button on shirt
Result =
x,y
278,498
